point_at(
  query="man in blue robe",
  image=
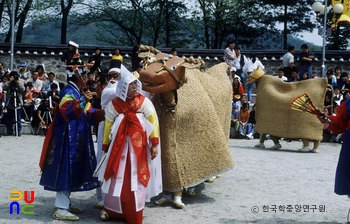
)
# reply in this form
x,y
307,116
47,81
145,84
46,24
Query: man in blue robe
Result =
x,y
68,158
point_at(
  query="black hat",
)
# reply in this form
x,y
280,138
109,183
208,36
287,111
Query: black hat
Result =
x,y
115,65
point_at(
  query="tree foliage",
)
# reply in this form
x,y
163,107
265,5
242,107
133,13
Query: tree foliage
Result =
x,y
295,15
258,24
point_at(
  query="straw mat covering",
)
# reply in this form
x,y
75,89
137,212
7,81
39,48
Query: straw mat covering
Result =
x,y
273,113
194,139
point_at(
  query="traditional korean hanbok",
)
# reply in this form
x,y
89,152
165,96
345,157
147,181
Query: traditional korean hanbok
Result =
x,y
129,176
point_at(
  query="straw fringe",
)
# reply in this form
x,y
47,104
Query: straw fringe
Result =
x,y
273,113
195,138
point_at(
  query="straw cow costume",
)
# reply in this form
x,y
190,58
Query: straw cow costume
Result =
x,y
194,111
274,95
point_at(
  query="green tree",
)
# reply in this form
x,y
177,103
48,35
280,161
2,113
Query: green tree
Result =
x,y
120,22
133,22
295,15
19,17
225,20
164,19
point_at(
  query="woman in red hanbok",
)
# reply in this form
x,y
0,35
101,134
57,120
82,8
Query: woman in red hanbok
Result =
x,y
131,171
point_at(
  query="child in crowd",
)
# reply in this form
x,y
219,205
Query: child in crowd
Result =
x,y
251,124
234,121
304,76
243,117
280,75
237,88
337,95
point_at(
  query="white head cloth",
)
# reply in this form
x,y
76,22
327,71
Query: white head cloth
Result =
x,y
126,77
114,70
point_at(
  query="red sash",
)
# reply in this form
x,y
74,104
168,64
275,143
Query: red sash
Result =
x,y
129,126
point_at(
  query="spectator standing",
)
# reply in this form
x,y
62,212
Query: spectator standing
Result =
x,y
288,62
95,60
239,64
337,73
252,64
22,71
41,73
331,79
37,84
230,54
305,59
117,55
14,89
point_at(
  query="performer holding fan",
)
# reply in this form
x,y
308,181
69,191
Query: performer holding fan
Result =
x,y
337,124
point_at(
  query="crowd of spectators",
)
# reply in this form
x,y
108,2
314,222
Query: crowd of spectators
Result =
x,y
34,93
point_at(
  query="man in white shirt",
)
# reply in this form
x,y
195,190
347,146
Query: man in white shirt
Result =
x,y
37,84
251,64
288,62
239,64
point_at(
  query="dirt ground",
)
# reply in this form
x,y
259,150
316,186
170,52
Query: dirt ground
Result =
x,y
266,186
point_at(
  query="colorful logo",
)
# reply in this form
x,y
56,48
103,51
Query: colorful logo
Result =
x,y
28,197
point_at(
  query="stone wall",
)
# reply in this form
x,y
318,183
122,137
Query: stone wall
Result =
x,y
53,63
